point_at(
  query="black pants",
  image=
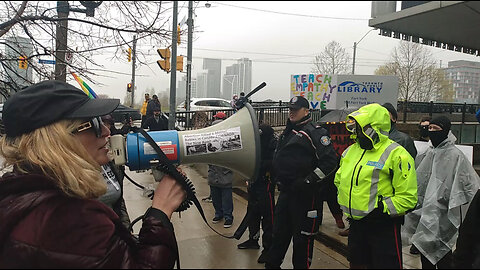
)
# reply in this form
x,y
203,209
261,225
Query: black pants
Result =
x,y
445,263
375,242
261,205
291,220
328,192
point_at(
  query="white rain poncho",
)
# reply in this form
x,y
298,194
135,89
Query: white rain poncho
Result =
x,y
447,184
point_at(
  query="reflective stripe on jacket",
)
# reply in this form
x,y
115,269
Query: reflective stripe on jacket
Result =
x,y
385,173
143,110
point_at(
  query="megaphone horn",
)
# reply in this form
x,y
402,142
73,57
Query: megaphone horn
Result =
x,y
233,143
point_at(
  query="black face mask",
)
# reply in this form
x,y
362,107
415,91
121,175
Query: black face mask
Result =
x,y
365,143
437,137
423,131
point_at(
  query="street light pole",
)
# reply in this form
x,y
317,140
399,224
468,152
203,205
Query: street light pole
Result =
x,y
173,74
355,50
189,55
134,56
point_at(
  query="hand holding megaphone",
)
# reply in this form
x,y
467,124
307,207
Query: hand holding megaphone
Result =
x,y
168,195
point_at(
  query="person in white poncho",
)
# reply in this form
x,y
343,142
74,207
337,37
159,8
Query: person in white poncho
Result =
x,y
447,184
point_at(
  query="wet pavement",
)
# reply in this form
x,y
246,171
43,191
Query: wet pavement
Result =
x,y
199,246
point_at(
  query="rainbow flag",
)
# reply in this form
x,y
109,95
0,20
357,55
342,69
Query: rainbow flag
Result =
x,y
90,93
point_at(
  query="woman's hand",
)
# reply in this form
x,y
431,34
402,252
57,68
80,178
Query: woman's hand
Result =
x,y
168,195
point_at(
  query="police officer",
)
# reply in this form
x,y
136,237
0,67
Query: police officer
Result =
x,y
304,152
377,185
261,196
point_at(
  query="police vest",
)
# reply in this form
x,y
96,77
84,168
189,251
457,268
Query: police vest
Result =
x,y
369,177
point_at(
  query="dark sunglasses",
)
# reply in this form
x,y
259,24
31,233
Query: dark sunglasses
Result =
x,y
423,127
95,123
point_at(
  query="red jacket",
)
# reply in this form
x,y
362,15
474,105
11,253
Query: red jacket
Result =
x,y
41,227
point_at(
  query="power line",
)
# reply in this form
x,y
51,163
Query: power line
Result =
x,y
293,14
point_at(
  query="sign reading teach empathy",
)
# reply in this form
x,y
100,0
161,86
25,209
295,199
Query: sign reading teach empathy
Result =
x,y
325,91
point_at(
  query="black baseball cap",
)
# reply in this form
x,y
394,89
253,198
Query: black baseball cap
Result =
x,y
391,109
298,102
48,102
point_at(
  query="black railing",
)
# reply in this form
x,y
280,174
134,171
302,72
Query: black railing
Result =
x,y
274,116
438,107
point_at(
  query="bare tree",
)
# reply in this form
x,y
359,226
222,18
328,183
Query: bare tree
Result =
x,y
333,60
109,32
419,78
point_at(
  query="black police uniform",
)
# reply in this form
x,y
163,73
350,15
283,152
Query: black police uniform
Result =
x,y
301,149
261,196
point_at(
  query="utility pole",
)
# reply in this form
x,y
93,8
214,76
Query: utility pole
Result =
x,y
354,52
355,49
134,54
63,9
189,55
173,75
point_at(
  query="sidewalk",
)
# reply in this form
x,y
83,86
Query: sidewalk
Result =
x,y
199,246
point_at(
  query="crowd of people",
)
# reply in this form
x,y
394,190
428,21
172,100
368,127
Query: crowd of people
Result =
x,y
62,204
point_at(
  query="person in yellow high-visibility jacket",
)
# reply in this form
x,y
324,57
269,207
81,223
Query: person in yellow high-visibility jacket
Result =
x,y
143,110
377,186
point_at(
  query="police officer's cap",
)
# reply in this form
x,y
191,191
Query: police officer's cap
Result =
x,y
298,102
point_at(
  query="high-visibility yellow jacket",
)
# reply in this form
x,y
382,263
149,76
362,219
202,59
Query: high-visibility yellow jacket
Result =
x,y
143,110
385,174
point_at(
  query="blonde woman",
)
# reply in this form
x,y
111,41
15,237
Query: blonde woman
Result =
x,y
50,217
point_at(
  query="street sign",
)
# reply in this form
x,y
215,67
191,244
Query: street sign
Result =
x,y
44,61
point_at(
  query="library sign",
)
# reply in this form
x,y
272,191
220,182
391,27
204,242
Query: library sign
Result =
x,y
326,91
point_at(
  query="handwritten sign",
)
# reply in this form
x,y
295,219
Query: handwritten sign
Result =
x,y
318,89
326,91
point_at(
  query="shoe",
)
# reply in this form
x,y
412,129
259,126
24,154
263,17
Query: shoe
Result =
x,y
249,244
216,220
263,257
414,250
339,221
344,232
228,223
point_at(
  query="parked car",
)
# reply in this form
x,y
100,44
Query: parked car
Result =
x,y
206,104
122,112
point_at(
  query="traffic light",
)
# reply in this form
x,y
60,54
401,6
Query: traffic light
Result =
x,y
178,34
22,62
129,54
180,63
165,55
129,87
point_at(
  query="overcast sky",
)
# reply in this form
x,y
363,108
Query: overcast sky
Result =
x,y
281,38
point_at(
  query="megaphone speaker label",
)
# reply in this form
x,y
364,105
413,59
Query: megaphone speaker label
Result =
x,y
213,142
170,150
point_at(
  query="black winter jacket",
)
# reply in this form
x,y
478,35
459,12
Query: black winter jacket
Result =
x,y
301,149
41,227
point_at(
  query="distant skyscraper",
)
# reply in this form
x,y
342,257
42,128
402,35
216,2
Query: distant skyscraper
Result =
x,y
237,78
18,46
201,85
230,82
245,75
193,88
181,88
213,82
465,76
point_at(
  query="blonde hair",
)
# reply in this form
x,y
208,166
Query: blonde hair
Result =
x,y
54,151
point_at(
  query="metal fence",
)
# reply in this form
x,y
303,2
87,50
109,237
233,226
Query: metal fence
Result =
x,y
274,116
431,107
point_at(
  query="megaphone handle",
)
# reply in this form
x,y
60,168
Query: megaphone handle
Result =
x,y
167,167
263,84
